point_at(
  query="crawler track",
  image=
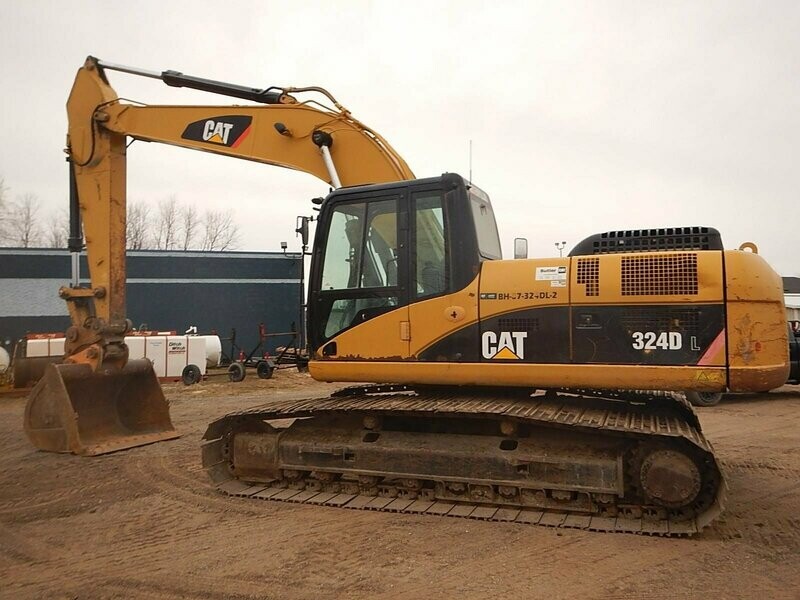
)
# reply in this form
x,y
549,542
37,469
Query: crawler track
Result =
x,y
589,460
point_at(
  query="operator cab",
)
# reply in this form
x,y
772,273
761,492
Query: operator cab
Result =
x,y
383,247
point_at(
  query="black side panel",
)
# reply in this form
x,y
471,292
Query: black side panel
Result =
x,y
542,332
546,335
633,334
460,346
629,335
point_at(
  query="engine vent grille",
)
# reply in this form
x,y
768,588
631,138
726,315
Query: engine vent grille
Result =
x,y
589,275
663,275
652,319
650,240
509,324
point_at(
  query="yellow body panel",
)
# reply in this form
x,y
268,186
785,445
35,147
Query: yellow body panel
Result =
x,y
434,319
384,337
624,377
754,329
612,267
527,283
758,338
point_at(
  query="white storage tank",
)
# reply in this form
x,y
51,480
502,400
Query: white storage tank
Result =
x,y
169,353
213,350
5,360
183,350
155,349
44,346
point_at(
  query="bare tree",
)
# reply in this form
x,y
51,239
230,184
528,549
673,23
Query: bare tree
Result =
x,y
166,226
190,221
179,226
137,229
219,230
57,231
23,223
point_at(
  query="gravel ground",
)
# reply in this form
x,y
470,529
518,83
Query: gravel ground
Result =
x,y
146,523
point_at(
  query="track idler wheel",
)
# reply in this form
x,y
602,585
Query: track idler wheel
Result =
x,y
669,478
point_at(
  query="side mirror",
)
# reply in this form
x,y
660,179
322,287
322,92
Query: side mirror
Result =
x,y
302,229
520,248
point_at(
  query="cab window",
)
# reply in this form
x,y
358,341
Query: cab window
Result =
x,y
485,225
361,251
430,260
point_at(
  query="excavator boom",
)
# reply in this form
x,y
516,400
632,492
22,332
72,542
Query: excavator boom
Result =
x,y
98,401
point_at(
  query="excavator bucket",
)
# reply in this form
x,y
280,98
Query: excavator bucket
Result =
x,y
74,409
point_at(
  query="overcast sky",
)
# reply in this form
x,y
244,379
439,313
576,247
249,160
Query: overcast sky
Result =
x,y
584,117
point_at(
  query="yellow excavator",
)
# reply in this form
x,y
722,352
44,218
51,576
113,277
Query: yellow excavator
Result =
x,y
548,391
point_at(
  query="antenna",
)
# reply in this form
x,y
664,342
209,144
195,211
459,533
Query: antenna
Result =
x,y
470,161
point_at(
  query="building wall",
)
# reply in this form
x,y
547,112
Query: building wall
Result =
x,y
791,290
170,290
792,306
791,285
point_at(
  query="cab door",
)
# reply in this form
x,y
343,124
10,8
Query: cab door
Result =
x,y
442,314
359,309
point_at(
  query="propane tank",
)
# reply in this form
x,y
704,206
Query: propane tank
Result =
x,y
5,360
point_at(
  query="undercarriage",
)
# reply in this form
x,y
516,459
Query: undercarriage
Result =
x,y
605,461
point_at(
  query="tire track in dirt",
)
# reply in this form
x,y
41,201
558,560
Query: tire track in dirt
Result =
x,y
17,548
760,466
57,499
169,587
712,575
324,565
70,484
761,521
763,506
155,474
173,524
195,586
471,565
317,554
25,506
137,548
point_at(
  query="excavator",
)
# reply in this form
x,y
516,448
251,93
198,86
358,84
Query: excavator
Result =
x,y
548,391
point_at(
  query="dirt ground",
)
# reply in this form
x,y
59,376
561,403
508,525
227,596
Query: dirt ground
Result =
x,y
146,523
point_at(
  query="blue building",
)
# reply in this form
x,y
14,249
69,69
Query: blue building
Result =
x,y
166,290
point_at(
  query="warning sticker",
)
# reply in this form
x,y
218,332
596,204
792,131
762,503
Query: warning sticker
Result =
x,y
557,276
